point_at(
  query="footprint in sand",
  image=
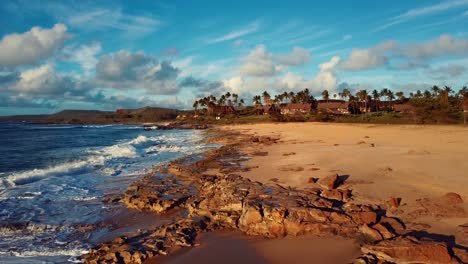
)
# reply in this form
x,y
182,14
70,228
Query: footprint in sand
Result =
x,y
289,154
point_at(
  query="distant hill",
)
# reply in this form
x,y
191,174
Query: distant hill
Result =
x,y
124,116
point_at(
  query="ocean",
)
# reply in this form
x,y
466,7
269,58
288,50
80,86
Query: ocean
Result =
x,y
54,178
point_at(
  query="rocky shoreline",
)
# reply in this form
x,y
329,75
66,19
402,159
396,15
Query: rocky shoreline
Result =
x,y
213,196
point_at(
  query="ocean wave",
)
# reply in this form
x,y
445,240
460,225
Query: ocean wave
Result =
x,y
45,252
34,175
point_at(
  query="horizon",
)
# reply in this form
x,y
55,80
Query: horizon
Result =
x,y
91,55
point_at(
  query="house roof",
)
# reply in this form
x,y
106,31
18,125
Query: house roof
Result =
x,y
296,106
332,105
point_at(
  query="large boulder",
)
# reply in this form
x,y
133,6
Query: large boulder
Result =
x,y
410,250
329,182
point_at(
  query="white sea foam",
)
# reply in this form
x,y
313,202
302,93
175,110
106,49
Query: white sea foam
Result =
x,y
45,252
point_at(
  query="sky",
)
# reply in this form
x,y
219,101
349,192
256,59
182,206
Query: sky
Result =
x,y
106,55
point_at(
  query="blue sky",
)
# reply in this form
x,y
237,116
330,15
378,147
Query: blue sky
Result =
x,y
124,54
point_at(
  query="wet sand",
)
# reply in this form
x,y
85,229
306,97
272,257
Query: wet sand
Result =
x,y
234,248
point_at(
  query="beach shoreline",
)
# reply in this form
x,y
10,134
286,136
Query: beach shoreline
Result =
x,y
261,144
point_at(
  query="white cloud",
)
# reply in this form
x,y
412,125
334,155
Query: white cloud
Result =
x,y
423,11
32,46
326,79
251,28
259,62
84,55
236,84
363,59
105,19
124,70
298,56
444,45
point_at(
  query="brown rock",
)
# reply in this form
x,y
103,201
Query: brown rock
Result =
x,y
367,218
332,194
329,182
461,254
410,250
393,224
452,198
370,233
394,202
251,215
383,230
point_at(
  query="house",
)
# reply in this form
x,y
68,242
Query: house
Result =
x,y
333,107
220,110
404,108
263,109
291,109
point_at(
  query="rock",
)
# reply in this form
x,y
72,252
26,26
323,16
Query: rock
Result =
x,y
329,182
410,250
461,254
452,198
370,233
251,215
393,224
394,202
367,218
383,230
332,194
366,259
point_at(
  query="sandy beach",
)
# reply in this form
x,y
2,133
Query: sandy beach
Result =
x,y
307,193
410,162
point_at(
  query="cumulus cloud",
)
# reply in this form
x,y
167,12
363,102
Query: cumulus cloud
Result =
x,y
236,84
408,56
363,59
32,46
259,62
443,45
84,55
326,79
124,69
298,56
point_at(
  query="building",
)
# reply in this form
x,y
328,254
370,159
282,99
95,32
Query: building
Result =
x,y
404,108
264,109
333,107
220,110
291,109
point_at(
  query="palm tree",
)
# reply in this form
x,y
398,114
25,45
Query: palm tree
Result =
x,y
325,95
345,93
257,100
375,95
363,96
236,97
384,92
266,97
400,95
195,105
390,95
435,90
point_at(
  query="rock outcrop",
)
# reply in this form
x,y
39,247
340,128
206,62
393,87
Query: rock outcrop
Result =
x,y
214,196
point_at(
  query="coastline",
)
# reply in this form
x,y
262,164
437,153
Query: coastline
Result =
x,y
260,209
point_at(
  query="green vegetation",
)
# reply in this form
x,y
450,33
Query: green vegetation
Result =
x,y
432,106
